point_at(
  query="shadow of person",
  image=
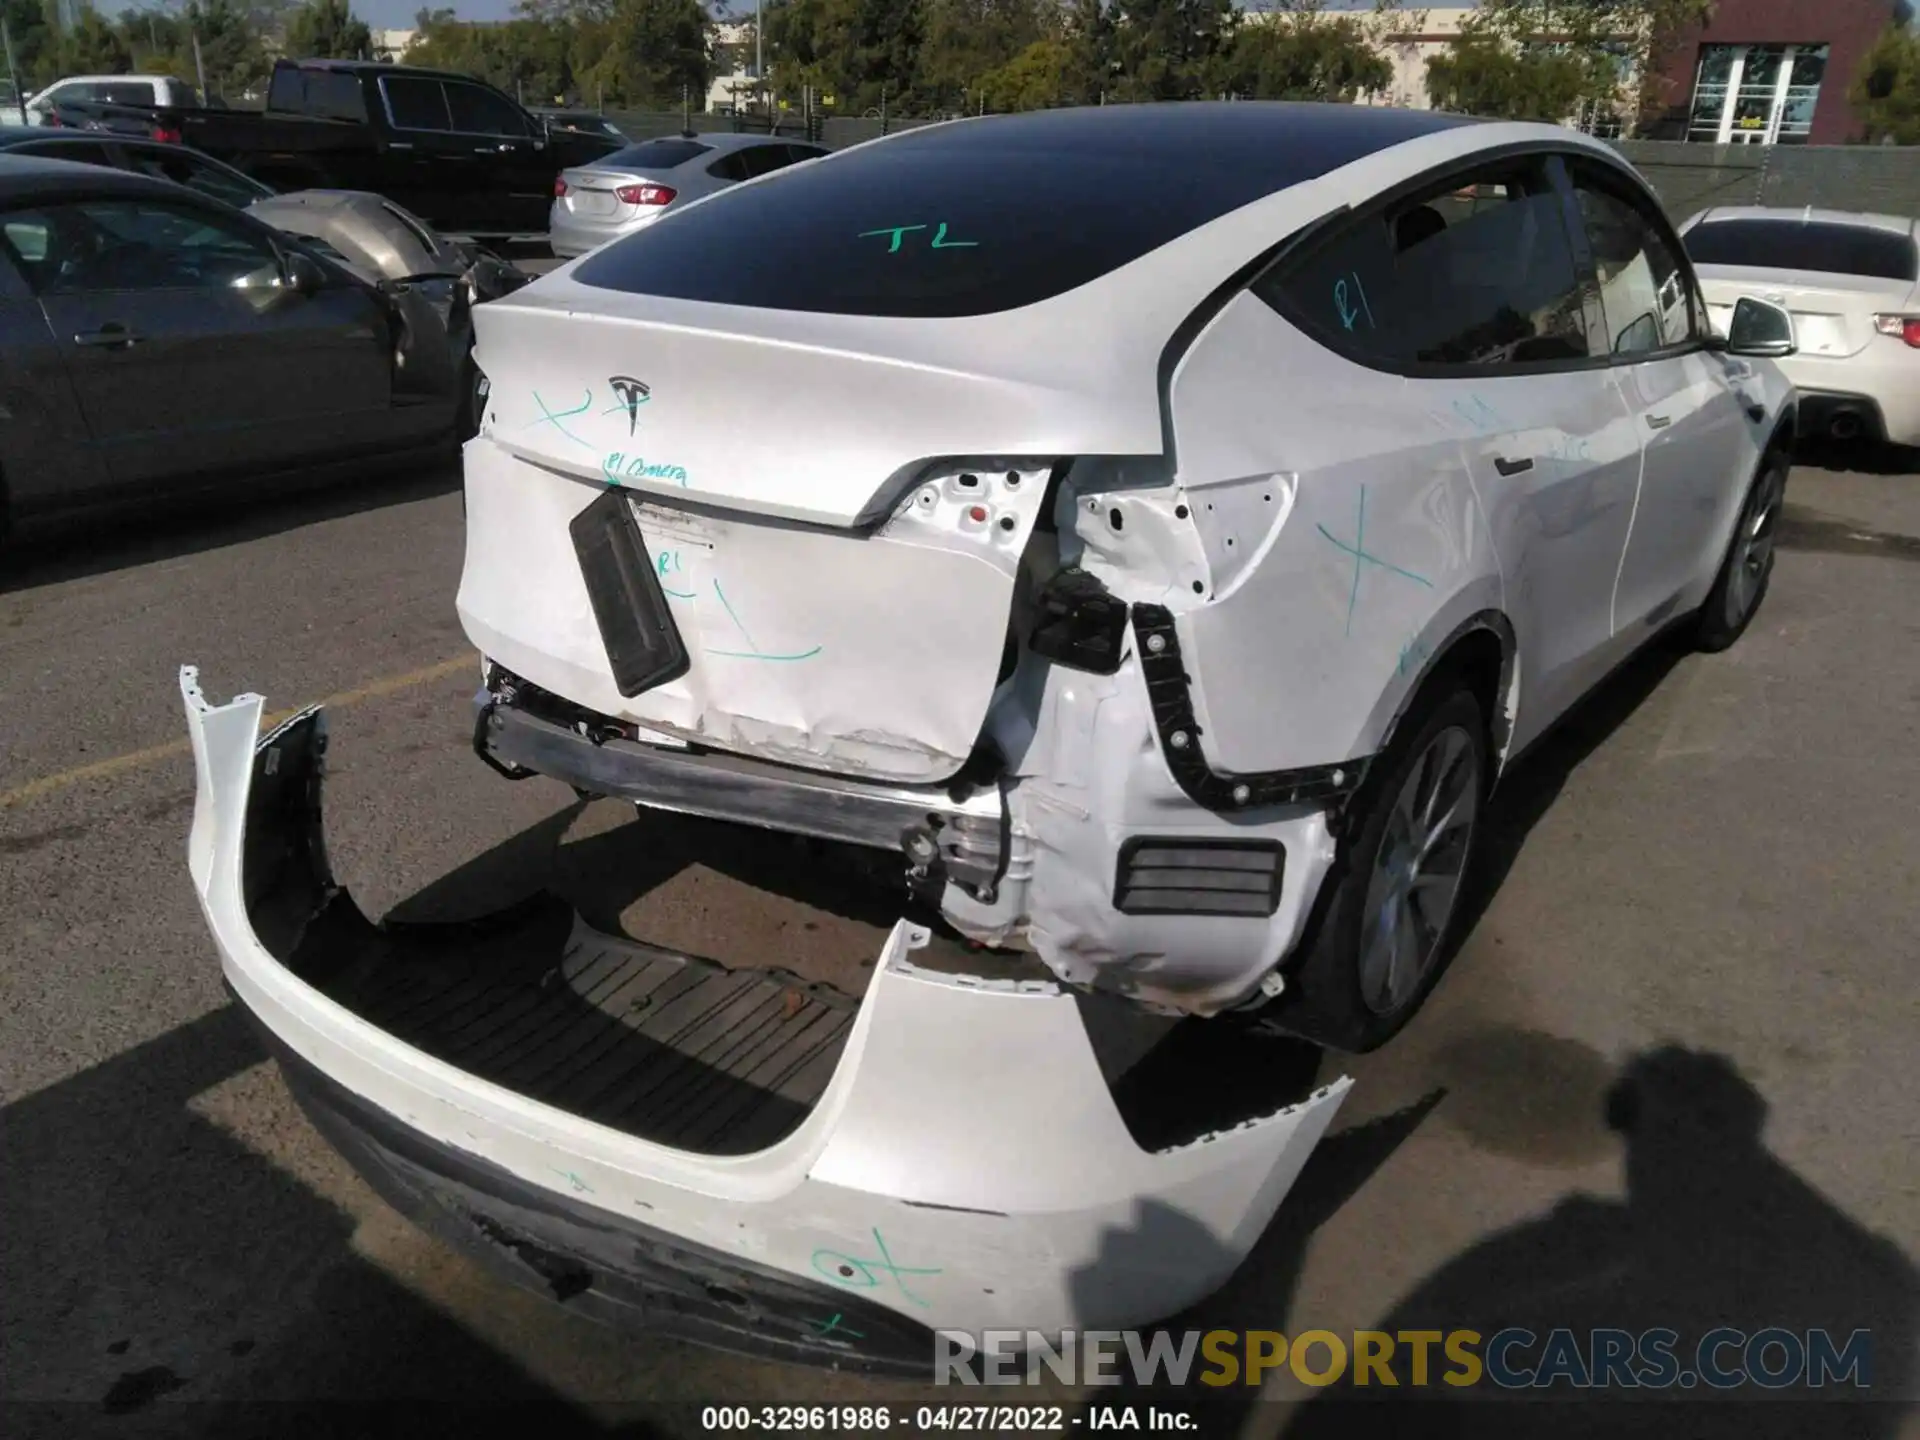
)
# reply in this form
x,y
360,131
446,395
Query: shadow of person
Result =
x,y
1257,1295
1714,1231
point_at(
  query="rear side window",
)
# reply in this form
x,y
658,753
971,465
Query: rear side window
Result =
x,y
416,104
765,159
216,181
989,215
324,94
1803,245
1478,274
653,155
731,166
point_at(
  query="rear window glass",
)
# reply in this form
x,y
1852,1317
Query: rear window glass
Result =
x,y
654,155
1798,245
989,215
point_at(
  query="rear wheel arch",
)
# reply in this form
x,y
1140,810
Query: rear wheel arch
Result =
x,y
1483,652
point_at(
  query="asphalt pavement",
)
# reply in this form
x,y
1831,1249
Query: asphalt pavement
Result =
x,y
1671,1075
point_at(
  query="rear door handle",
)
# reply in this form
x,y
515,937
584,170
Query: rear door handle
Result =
x,y
108,336
1659,422
1512,467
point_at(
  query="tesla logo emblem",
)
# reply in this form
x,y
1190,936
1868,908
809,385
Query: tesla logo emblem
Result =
x,y
632,394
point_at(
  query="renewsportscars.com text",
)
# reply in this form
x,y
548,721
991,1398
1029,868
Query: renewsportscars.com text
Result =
x,y
1772,1358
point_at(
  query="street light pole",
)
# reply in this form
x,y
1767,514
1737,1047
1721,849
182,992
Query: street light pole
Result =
x,y
759,48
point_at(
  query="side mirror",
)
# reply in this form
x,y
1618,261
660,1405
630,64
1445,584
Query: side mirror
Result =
x,y
304,273
1760,329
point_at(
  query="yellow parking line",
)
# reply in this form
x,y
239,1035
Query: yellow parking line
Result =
x,y
134,759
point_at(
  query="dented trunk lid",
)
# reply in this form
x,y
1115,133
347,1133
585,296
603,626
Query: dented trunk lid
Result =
x,y
834,523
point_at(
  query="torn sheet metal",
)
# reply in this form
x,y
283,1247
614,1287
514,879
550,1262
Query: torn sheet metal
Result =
x,y
966,1166
872,654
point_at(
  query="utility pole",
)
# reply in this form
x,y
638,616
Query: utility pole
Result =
x,y
200,68
759,50
13,70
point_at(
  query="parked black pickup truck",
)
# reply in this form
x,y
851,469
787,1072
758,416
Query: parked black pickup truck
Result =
x,y
454,150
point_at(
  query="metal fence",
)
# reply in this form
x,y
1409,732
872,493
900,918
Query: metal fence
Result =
x,y
1688,178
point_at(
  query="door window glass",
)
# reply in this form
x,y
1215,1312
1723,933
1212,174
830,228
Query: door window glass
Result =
x,y
1643,291
731,166
98,245
1477,273
477,110
415,104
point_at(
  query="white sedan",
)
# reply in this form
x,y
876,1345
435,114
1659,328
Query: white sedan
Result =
x,y
1147,533
1851,283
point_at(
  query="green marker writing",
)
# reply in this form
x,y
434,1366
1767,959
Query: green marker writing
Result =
x,y
940,241
896,231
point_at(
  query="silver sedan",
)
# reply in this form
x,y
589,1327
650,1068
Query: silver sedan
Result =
x,y
634,187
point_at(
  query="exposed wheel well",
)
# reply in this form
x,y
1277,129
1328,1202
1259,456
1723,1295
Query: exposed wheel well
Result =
x,y
1482,654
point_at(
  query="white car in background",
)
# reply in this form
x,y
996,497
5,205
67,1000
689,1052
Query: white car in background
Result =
x,y
1852,285
1147,567
141,90
631,188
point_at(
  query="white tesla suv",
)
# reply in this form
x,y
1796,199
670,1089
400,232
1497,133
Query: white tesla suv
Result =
x,y
1150,531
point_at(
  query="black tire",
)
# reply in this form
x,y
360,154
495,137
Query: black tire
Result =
x,y
1326,997
467,420
1747,568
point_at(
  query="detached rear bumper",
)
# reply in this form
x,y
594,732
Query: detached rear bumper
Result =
x,y
964,1166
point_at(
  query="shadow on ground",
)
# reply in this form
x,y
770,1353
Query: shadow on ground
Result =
x,y
72,549
1713,1232
197,1289
1861,456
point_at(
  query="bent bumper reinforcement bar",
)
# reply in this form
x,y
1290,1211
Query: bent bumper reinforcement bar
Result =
x,y
963,1163
970,829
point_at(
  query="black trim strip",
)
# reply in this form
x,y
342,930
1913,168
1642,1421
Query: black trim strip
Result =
x,y
1158,647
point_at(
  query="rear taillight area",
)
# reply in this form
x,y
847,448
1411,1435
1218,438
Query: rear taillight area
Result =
x,y
646,194
168,135
1900,327
559,187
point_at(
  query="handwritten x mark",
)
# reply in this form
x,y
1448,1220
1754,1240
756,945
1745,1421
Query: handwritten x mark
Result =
x,y
1361,557
548,417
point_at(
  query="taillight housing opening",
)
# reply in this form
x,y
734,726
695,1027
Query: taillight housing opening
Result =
x,y
168,135
559,187
646,194
1900,327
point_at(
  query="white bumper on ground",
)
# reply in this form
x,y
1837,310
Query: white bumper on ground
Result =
x,y
965,1167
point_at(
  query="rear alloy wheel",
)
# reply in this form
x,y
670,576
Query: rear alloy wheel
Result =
x,y
1417,871
1748,568
1388,908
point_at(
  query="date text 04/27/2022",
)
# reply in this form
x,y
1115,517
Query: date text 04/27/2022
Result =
x,y
927,1419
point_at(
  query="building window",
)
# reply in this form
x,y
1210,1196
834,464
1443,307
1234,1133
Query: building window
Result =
x,y
1756,94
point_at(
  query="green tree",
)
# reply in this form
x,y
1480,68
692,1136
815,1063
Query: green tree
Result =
x,y
967,40
1089,37
1300,51
1886,91
328,30
231,50
1171,49
91,46
1549,59
1039,76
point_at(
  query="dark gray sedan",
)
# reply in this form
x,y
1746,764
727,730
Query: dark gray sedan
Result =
x,y
154,341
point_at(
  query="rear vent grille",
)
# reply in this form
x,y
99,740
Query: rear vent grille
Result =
x,y
1198,877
